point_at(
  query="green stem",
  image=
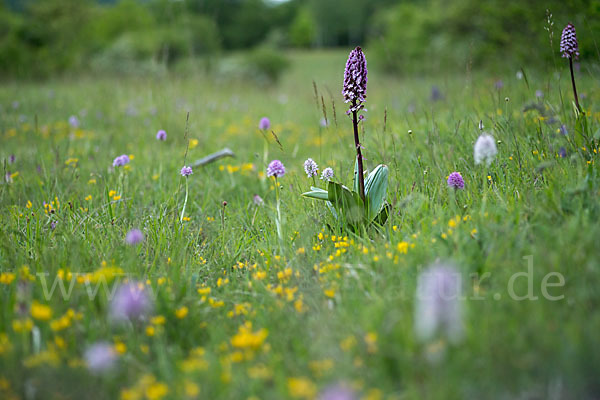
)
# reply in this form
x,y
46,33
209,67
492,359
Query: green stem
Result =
x,y
361,178
185,201
574,87
278,219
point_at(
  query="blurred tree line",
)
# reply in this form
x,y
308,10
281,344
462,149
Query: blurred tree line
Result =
x,y
39,38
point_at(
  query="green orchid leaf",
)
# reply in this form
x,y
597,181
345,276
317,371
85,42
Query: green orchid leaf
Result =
x,y
317,193
376,190
346,201
383,215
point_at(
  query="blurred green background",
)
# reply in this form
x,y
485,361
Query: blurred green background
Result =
x,y
42,38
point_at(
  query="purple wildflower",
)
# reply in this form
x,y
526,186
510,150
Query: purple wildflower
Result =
x,y
539,94
324,123
568,42
327,174
74,121
562,152
455,181
438,308
257,200
12,158
436,94
355,80
100,357
276,169
134,236
499,84
161,135
121,160
311,168
337,392
186,171
130,302
563,130
53,225
264,124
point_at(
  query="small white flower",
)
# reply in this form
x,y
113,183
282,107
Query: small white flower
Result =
x,y
311,168
485,149
327,174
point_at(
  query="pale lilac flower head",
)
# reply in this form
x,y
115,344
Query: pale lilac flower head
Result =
x,y
438,307
337,392
276,169
355,80
134,236
121,160
257,200
100,357
499,84
264,124
539,94
485,149
324,123
568,42
327,174
311,168
130,302
74,121
455,181
186,171
12,158
161,135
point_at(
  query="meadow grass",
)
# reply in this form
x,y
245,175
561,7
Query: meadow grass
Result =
x,y
239,313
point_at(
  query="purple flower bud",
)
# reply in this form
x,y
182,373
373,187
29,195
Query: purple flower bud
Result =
x,y
568,42
53,225
311,168
562,152
130,302
355,80
161,135
121,160
539,94
134,236
12,159
499,84
186,171
100,357
327,174
438,309
455,181
264,124
276,169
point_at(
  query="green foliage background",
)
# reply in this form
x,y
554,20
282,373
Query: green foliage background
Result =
x,y
40,38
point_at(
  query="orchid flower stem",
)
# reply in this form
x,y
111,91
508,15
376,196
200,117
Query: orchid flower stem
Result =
x,y
574,87
278,205
361,177
185,201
